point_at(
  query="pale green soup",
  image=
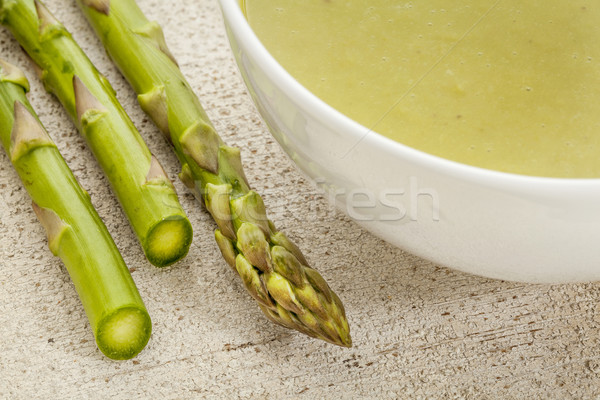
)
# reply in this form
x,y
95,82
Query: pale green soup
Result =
x,y
510,85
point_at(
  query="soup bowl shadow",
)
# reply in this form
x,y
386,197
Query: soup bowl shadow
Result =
x,y
488,223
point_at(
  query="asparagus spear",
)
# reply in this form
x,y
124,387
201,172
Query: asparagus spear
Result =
x,y
76,233
272,268
141,185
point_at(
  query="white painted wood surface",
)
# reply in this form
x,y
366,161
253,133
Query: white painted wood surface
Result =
x,y
420,331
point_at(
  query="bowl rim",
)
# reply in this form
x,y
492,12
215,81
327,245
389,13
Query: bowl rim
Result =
x,y
237,22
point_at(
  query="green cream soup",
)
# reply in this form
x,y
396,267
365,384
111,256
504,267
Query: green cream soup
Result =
x,y
509,85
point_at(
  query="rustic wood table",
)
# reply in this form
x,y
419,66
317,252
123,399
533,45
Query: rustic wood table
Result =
x,y
420,330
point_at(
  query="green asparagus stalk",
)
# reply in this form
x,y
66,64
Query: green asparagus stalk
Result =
x,y
137,178
272,268
76,234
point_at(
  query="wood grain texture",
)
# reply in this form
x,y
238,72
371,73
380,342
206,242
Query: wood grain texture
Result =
x,y
420,331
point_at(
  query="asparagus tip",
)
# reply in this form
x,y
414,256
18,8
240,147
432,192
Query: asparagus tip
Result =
x,y
346,341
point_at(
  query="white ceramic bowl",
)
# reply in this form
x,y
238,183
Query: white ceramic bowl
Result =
x,y
484,222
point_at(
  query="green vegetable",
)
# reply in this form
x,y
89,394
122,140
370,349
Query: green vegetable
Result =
x,y
142,187
273,269
76,233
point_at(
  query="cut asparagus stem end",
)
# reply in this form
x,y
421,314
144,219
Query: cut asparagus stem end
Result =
x,y
168,242
123,334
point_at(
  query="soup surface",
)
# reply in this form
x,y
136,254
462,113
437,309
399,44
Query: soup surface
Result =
x,y
509,85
